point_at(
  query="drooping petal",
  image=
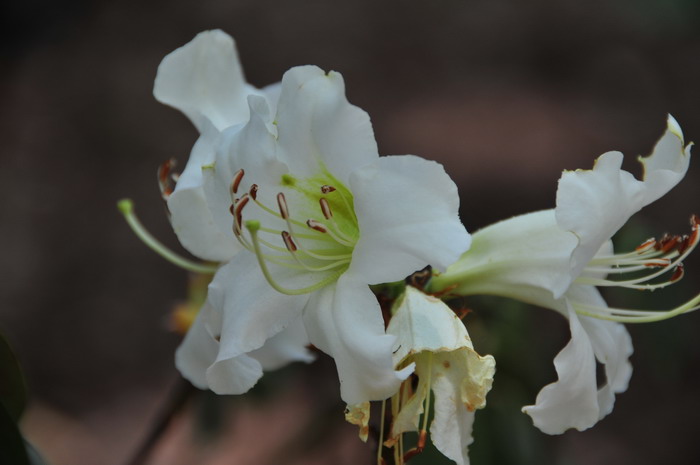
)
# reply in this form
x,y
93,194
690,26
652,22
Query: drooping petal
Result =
x,y
318,127
344,320
525,258
451,430
198,359
358,414
251,313
430,334
407,209
197,351
571,401
408,418
612,346
204,80
594,204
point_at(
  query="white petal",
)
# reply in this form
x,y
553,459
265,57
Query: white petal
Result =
x,y
451,430
198,359
612,346
571,401
525,258
594,204
424,323
288,346
318,127
204,80
193,222
196,228
249,147
408,418
407,209
251,313
344,320
197,351
429,333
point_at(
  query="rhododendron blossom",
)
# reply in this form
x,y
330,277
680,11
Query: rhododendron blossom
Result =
x,y
556,258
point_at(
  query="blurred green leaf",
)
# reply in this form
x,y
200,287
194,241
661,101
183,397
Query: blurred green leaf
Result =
x,y
12,449
13,391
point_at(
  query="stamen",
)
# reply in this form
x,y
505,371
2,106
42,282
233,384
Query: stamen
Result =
x,y
635,316
668,243
253,227
678,273
126,206
291,246
254,191
325,208
164,178
238,213
282,203
674,248
380,446
326,189
315,225
237,177
647,245
684,244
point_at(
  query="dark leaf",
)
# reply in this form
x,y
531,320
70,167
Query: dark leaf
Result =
x,y
13,393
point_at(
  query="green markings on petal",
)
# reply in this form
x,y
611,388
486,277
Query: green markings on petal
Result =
x,y
327,200
288,180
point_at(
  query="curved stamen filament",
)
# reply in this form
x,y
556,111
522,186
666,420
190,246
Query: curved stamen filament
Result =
x,y
635,316
253,226
126,206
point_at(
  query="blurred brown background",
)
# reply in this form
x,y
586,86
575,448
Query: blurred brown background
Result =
x,y
505,93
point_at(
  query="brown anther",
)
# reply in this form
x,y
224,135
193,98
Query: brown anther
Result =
x,y
669,244
661,242
238,212
313,224
282,204
253,191
677,273
693,239
289,242
656,264
237,177
164,178
685,243
422,437
463,312
326,189
646,245
325,208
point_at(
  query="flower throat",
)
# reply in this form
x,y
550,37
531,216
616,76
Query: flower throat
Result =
x,y
316,236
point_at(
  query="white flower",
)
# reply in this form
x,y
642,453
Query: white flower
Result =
x,y
305,216
429,334
555,258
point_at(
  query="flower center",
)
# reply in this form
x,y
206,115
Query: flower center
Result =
x,y
312,229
